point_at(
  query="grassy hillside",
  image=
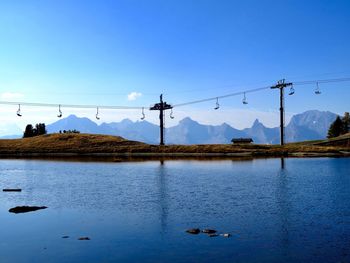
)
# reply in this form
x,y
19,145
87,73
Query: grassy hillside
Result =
x,y
69,143
95,144
341,141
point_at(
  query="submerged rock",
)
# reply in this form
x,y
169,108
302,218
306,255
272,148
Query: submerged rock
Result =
x,y
213,235
12,190
65,237
209,231
83,238
193,231
25,209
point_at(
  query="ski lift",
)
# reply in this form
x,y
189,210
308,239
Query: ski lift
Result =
x,y
59,112
19,111
171,114
317,90
97,117
291,91
217,104
143,114
244,101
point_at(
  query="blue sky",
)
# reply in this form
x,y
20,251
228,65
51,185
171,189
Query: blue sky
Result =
x,y
98,52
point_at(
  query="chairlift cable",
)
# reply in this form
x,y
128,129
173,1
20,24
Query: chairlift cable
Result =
x,y
80,106
308,82
114,107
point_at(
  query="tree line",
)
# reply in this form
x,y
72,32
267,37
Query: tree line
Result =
x,y
340,126
31,131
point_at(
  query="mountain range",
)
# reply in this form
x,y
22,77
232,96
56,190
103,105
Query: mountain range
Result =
x,y
310,125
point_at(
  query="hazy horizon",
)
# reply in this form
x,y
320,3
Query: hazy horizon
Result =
x,y
14,126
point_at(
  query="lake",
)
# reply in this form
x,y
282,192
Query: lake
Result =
x,y
139,211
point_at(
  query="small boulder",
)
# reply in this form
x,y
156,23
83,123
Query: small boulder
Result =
x,y
194,231
12,190
209,231
83,238
25,209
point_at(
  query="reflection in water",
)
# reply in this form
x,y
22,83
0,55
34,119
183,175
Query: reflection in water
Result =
x,y
162,194
283,207
136,212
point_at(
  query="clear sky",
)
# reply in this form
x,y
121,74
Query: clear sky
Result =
x,y
99,52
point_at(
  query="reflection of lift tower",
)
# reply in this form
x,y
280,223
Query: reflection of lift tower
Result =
x,y
281,85
162,106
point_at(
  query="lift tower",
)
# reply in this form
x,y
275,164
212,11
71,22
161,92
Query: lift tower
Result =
x,y
161,106
281,85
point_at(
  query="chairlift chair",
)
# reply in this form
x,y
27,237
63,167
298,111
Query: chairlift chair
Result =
x,y
19,111
143,114
244,101
291,91
97,117
171,114
217,104
317,90
59,112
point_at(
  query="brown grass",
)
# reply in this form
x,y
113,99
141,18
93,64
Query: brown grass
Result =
x,y
104,144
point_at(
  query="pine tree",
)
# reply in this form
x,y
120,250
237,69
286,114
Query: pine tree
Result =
x,y
40,129
29,132
336,128
346,122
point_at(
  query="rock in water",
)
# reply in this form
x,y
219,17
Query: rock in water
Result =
x,y
212,235
83,238
12,190
25,209
209,231
193,231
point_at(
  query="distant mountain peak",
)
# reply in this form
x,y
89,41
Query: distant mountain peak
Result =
x,y
126,121
72,116
225,125
187,120
257,123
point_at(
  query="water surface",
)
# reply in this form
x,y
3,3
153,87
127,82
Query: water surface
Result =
x,y
138,211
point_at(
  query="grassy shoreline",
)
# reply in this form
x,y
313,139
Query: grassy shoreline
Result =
x,y
104,146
